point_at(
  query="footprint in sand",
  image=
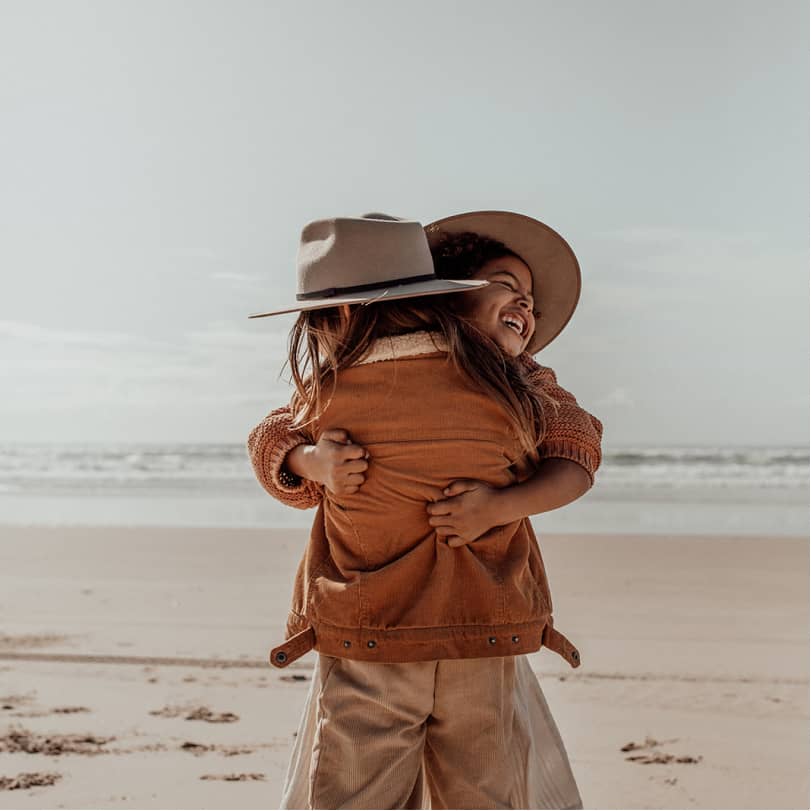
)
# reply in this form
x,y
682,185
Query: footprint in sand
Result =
x,y
661,757
648,744
13,702
19,706
26,780
202,748
655,757
22,740
232,777
196,714
8,642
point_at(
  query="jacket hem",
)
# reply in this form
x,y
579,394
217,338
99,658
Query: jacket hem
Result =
x,y
427,644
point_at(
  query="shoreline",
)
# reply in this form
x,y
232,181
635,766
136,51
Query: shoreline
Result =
x,y
180,528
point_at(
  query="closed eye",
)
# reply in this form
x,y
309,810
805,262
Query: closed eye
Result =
x,y
511,286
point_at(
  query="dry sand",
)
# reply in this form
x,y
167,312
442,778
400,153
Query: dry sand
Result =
x,y
133,675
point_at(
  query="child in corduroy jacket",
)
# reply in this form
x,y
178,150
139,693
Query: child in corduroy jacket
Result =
x,y
421,554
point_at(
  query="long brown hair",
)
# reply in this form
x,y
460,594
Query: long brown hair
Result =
x,y
321,343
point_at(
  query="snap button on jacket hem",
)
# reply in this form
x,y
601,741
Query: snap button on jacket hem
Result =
x,y
556,641
294,648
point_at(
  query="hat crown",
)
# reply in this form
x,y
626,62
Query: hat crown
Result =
x,y
351,252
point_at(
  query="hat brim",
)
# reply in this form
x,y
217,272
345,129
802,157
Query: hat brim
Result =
x,y
555,271
433,287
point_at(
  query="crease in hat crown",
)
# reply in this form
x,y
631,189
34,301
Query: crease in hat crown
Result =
x,y
352,260
349,253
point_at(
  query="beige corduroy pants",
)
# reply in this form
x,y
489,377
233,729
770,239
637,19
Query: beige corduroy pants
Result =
x,y
449,733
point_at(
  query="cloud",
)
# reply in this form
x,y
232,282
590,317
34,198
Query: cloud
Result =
x,y
38,335
273,331
240,279
215,365
670,236
619,396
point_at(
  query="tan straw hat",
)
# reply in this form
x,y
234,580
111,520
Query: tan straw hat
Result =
x,y
554,267
352,260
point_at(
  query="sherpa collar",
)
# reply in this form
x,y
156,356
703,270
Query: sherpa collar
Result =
x,y
402,346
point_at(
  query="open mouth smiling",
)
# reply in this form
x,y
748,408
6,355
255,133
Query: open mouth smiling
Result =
x,y
515,322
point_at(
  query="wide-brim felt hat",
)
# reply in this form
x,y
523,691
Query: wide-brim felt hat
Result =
x,y
555,270
359,260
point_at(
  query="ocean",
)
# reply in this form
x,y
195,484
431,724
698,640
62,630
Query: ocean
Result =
x,y
675,490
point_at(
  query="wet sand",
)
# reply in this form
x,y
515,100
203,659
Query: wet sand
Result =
x,y
133,670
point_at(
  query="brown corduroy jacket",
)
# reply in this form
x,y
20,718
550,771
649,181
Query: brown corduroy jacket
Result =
x,y
376,583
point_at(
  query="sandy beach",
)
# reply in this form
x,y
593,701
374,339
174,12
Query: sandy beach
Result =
x,y
133,670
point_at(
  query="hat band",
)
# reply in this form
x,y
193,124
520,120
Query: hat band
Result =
x,y
329,292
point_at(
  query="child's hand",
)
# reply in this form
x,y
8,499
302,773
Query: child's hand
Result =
x,y
336,462
467,512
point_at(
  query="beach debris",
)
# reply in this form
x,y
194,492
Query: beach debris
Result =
x,y
22,740
196,714
294,677
70,710
202,748
233,777
671,781
28,780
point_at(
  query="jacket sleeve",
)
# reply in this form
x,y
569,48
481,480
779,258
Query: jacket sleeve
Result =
x,y
268,445
571,432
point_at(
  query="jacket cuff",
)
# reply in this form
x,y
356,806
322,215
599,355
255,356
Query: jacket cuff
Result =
x,y
561,449
282,479
267,456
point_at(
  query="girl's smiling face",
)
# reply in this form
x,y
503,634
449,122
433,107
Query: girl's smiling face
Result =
x,y
504,310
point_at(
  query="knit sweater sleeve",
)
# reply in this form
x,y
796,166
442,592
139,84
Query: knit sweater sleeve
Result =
x,y
571,432
268,445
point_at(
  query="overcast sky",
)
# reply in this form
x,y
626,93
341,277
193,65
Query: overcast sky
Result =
x,y
158,160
